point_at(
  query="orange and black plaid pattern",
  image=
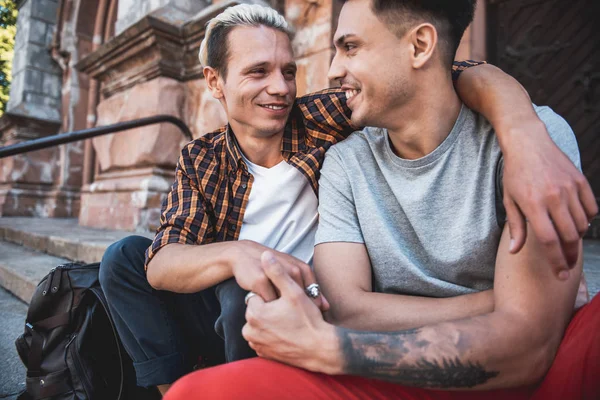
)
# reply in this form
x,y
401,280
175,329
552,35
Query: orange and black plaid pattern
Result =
x,y
207,201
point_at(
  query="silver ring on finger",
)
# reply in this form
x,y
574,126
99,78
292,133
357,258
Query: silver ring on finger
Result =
x,y
249,296
313,290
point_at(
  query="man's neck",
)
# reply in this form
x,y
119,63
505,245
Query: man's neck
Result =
x,y
262,151
426,121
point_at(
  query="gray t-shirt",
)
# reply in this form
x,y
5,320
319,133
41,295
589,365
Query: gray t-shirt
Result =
x,y
429,225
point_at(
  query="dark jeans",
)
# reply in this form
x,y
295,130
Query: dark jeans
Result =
x,y
166,332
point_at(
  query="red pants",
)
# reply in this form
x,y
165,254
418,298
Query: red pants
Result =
x,y
575,374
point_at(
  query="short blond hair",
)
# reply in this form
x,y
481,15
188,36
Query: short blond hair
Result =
x,y
214,49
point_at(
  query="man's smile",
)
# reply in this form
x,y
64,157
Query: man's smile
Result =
x,y
275,106
350,92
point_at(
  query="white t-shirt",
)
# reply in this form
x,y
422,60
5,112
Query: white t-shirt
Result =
x,y
282,211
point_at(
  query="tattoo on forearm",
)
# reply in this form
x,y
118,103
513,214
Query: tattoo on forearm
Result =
x,y
382,356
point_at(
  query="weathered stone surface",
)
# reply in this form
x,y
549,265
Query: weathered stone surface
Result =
x,y
60,237
33,80
36,183
37,31
312,21
21,269
45,10
128,199
52,85
37,201
131,11
150,145
312,72
203,113
28,96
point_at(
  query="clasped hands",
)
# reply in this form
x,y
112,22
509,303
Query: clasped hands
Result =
x,y
290,329
250,275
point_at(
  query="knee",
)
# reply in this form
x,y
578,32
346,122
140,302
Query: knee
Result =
x,y
122,258
233,315
242,379
233,308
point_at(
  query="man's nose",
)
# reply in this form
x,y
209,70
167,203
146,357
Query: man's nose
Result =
x,y
278,85
336,69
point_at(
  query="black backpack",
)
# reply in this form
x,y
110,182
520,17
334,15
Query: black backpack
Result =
x,y
70,346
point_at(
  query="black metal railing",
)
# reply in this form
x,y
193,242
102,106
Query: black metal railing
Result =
x,y
55,140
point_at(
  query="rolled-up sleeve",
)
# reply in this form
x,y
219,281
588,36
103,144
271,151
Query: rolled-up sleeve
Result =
x,y
183,218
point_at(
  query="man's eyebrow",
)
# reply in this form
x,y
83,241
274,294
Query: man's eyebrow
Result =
x,y
291,65
340,41
256,65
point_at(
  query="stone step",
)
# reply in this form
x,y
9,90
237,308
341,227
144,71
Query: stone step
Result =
x,y
21,269
60,237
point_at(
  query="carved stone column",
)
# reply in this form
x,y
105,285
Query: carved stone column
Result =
x,y
46,182
150,68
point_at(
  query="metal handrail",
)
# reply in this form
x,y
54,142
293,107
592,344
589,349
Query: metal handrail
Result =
x,y
62,138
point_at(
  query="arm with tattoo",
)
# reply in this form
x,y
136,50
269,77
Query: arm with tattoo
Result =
x,y
513,345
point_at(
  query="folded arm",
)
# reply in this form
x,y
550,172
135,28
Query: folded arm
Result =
x,y
511,346
182,258
354,305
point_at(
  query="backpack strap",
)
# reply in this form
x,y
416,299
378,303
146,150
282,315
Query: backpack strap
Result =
x,y
53,321
34,360
48,386
100,296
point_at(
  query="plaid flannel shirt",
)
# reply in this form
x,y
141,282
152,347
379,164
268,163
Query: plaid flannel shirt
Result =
x,y
207,201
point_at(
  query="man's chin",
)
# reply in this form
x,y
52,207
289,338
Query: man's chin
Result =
x,y
358,120
270,130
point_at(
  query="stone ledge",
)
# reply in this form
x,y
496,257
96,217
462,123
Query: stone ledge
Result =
x,y
60,237
15,126
156,45
21,269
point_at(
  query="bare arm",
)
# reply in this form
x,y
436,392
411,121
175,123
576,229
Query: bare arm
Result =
x,y
191,268
182,259
354,305
540,183
513,345
183,268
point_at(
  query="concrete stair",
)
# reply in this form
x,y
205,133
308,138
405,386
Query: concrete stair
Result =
x,y
30,247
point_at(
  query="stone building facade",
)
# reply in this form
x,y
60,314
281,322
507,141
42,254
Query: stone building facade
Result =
x,y
85,63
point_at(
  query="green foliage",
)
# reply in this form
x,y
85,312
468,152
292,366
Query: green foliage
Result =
x,y
8,29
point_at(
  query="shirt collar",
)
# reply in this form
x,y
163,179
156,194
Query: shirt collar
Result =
x,y
293,141
234,154
294,133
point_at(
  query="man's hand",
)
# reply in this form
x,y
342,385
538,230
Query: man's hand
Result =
x,y
543,186
290,329
249,274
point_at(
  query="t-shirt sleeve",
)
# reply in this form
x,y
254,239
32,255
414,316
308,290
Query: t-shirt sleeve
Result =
x,y
338,220
561,133
563,136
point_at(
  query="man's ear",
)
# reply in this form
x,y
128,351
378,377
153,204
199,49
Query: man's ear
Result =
x,y
211,77
424,39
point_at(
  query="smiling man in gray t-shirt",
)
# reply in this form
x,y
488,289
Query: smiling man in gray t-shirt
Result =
x,y
410,250
429,224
